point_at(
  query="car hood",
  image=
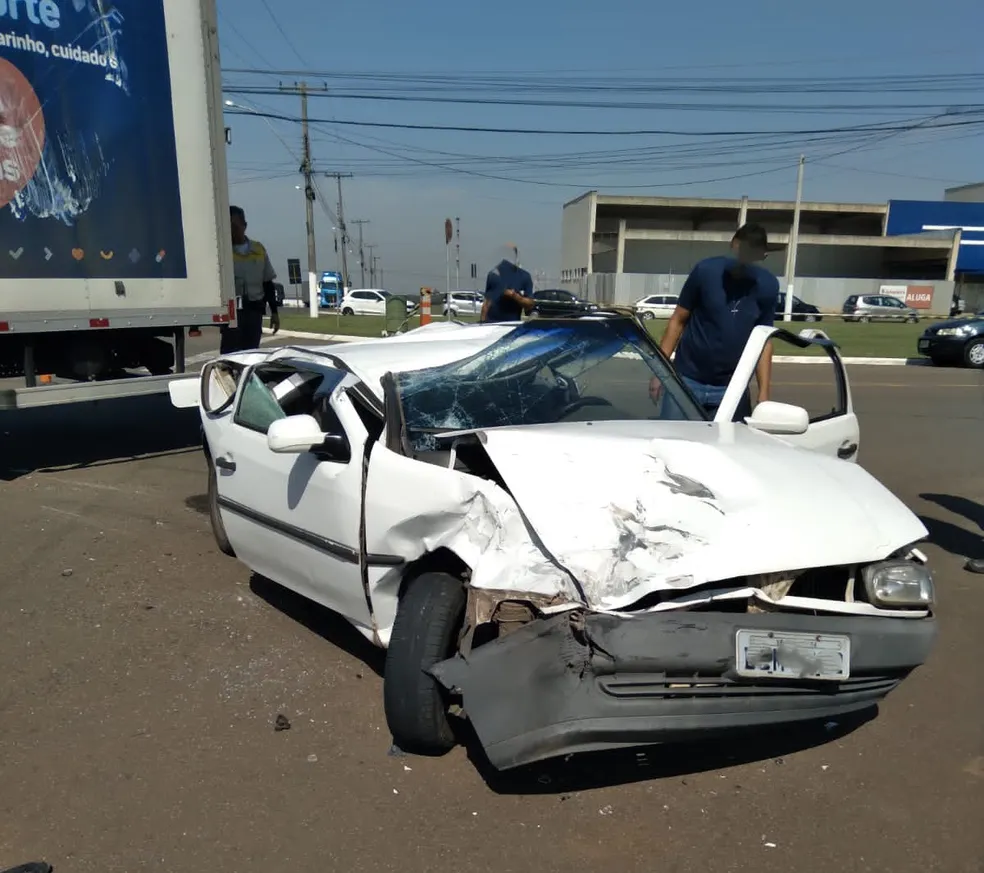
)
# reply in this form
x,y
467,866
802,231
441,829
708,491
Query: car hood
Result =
x,y
629,508
976,321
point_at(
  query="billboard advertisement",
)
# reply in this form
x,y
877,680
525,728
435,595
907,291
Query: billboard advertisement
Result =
x,y
88,165
913,296
941,216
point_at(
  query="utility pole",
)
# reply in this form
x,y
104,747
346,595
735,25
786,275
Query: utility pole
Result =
x,y
793,243
362,252
457,252
306,170
341,225
372,264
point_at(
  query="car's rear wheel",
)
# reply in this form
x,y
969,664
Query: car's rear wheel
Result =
x,y
347,311
913,319
214,516
425,632
974,353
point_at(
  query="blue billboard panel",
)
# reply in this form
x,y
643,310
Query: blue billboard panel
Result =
x,y
88,166
928,216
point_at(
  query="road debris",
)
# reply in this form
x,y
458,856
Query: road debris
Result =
x,y
281,723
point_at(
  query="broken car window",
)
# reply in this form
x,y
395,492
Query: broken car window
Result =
x,y
545,373
275,391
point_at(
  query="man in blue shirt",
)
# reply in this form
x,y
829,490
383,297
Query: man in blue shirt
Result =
x,y
508,289
722,301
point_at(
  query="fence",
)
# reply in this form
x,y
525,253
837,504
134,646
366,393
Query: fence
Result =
x,y
828,295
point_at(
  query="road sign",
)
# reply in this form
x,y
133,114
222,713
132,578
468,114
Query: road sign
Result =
x,y
294,271
474,271
448,231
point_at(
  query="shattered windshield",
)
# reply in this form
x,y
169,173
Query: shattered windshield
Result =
x,y
547,372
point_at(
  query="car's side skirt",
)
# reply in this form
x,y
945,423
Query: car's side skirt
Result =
x,y
337,550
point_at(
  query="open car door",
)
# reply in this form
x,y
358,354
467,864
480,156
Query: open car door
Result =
x,y
831,427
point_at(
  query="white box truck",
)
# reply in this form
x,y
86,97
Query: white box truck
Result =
x,y
114,210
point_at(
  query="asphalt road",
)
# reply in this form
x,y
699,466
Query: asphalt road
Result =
x,y
144,671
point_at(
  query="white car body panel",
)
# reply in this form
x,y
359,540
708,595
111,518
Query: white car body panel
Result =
x,y
656,506
830,435
689,506
294,491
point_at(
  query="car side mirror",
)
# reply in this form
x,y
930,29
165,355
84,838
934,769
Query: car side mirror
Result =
x,y
779,418
295,434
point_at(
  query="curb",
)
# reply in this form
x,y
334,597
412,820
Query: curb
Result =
x,y
329,338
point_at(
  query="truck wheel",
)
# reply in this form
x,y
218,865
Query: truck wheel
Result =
x,y
214,516
425,632
974,353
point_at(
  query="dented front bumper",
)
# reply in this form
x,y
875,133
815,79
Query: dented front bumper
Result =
x,y
576,683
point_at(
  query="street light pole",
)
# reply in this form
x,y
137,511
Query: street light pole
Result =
x,y
793,243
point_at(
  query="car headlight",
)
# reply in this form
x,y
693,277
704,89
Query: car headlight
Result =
x,y
954,331
899,584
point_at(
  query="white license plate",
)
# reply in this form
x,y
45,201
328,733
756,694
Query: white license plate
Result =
x,y
788,655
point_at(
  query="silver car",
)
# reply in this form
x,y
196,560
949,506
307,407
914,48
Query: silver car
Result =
x,y
463,303
877,307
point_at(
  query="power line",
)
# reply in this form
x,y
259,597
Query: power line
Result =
x,y
287,39
526,131
800,108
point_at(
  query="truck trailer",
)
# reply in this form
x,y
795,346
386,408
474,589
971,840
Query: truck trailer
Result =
x,y
114,209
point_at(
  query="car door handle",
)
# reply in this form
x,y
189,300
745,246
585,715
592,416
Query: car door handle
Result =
x,y
225,464
847,451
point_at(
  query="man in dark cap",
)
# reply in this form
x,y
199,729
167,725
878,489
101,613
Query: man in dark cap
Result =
x,y
722,301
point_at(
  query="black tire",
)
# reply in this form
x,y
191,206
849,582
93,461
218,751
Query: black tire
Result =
x,y
913,319
347,311
812,318
214,516
865,319
648,316
425,632
974,353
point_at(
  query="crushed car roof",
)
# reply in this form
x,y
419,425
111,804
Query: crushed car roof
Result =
x,y
429,346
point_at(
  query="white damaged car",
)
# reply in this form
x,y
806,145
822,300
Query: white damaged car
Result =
x,y
544,529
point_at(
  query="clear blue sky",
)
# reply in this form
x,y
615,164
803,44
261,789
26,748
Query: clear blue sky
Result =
x,y
406,181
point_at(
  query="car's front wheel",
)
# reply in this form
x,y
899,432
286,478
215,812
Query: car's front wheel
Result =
x,y
425,632
214,516
347,311
974,353
811,318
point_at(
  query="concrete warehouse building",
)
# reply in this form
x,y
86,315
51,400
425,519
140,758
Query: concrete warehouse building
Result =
x,y
618,249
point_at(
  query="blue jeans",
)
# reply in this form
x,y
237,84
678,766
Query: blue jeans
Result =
x,y
710,397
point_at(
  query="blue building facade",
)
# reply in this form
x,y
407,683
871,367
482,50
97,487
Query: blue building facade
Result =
x,y
927,216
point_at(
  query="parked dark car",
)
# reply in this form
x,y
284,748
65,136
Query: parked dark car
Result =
x,y
556,303
802,311
959,341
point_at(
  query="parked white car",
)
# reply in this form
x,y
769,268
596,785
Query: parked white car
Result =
x,y
576,559
463,303
365,301
656,306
